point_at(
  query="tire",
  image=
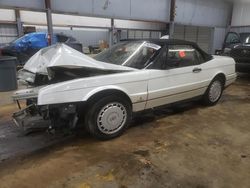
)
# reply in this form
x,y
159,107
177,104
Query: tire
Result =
x,y
108,117
214,92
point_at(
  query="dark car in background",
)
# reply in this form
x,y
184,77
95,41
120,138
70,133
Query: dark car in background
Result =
x,y
237,46
26,46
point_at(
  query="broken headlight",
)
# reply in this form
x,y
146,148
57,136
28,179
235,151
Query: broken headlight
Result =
x,y
26,76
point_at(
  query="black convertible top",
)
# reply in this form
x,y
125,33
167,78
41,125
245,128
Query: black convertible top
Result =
x,y
175,42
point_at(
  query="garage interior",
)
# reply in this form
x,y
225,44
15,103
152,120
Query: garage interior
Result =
x,y
181,145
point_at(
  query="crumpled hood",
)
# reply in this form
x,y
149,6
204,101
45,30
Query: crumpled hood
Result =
x,y
61,55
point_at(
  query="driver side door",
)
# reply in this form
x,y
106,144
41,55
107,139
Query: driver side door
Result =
x,y
179,77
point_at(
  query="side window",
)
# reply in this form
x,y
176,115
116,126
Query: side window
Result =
x,y
232,38
143,55
182,56
160,60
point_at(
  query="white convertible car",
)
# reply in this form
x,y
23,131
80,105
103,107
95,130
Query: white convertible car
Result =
x,y
70,89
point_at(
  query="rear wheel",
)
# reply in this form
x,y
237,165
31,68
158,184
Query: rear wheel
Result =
x,y
214,92
108,117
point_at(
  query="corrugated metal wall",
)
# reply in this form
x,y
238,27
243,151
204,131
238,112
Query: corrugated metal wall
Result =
x,y
212,13
241,14
8,27
121,9
8,33
218,39
85,36
244,29
200,35
137,34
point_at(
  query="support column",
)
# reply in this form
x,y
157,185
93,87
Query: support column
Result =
x,y
111,33
172,18
49,21
19,23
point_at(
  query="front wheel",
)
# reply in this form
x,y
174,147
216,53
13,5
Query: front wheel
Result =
x,y
214,92
108,117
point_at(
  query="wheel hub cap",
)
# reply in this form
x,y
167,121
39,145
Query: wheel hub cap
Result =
x,y
111,118
215,91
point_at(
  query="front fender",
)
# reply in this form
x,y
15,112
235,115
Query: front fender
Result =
x,y
133,85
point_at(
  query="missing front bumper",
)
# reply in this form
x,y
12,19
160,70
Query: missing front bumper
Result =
x,y
25,120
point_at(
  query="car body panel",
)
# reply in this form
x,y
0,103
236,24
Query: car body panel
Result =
x,y
134,84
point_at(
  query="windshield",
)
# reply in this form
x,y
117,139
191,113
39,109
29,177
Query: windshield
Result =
x,y
137,54
245,37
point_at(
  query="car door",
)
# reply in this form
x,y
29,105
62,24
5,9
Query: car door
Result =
x,y
178,77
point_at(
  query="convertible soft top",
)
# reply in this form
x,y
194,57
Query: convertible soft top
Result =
x,y
175,42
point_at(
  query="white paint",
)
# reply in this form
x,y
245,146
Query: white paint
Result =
x,y
31,17
125,24
36,18
7,15
71,20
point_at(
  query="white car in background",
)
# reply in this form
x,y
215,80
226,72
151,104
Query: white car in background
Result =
x,y
101,93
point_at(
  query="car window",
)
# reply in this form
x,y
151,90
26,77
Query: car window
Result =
x,y
232,38
143,56
159,60
182,56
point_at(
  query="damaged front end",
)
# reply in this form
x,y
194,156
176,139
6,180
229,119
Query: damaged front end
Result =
x,y
31,116
53,65
48,117
40,117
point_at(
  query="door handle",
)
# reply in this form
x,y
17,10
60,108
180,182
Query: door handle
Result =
x,y
197,70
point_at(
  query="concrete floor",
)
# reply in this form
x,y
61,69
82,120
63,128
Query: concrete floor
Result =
x,y
5,97
192,146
